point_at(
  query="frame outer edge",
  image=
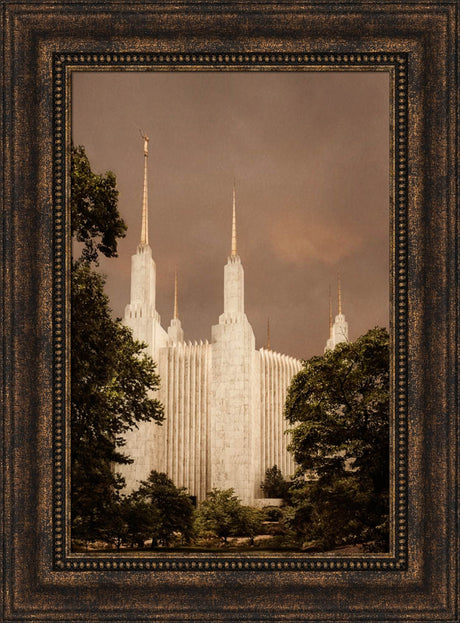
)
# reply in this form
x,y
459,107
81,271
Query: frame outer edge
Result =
x,y
451,268
3,311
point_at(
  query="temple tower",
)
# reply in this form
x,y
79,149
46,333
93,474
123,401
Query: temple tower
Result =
x,y
145,442
234,401
175,330
338,331
224,400
140,314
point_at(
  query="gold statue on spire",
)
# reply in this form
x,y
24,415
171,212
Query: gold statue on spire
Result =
x,y
234,247
145,208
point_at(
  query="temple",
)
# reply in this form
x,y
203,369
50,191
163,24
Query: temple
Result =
x,y
224,399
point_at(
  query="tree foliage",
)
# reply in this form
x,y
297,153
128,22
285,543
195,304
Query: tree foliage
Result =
x,y
171,508
111,376
141,518
221,513
250,522
274,484
95,220
158,511
338,406
95,493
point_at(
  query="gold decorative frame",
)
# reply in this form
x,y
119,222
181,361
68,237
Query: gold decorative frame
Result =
x,y
415,43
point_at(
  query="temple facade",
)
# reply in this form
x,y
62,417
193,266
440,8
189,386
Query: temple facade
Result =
x,y
223,399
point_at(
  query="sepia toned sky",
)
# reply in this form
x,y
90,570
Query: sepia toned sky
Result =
x,y
309,152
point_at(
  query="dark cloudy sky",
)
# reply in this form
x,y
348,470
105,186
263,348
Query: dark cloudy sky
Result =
x,y
310,155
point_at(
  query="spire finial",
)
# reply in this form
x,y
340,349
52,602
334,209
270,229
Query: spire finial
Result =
x,y
330,312
268,333
145,208
340,293
176,312
234,248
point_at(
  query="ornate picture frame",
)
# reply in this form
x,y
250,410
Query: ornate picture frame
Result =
x,y
416,45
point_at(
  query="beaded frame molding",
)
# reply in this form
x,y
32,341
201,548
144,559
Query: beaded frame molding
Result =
x,y
416,42
396,66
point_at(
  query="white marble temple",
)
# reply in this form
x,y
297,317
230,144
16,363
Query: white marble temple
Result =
x,y
223,400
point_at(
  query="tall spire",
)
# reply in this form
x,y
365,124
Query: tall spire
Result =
x,y
268,333
175,331
176,313
145,206
340,293
233,280
234,248
330,312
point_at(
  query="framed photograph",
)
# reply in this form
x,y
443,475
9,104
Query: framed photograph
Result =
x,y
230,345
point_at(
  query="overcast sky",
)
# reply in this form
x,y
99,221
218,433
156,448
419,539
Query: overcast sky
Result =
x,y
309,152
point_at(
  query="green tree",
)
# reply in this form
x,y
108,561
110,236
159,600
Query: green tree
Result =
x,y
250,523
95,220
172,507
111,376
274,485
220,513
142,519
338,405
94,492
114,529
